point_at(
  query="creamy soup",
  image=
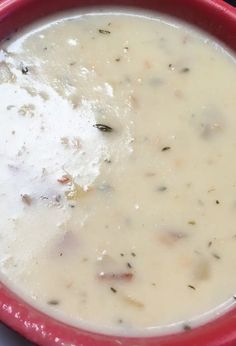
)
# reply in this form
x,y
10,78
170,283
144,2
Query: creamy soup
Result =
x,y
117,172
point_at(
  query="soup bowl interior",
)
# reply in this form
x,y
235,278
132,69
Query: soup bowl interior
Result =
x,y
216,18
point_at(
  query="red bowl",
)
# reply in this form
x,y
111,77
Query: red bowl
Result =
x,y
216,18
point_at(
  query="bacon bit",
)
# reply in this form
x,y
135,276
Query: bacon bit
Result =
x,y
134,102
150,174
132,301
179,163
69,284
179,94
76,143
26,199
66,244
65,141
171,237
147,64
116,276
202,270
76,192
64,180
186,261
185,39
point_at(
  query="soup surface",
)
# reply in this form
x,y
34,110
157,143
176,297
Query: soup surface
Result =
x,y
117,171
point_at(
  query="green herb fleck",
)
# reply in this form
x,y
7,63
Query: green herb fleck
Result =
x,y
185,70
104,32
192,287
162,188
53,302
107,161
216,256
24,70
113,289
103,128
192,222
186,327
165,148
26,199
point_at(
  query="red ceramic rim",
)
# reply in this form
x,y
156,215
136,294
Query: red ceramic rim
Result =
x,y
216,18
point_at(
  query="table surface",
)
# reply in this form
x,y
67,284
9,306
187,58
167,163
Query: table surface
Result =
x,y
10,338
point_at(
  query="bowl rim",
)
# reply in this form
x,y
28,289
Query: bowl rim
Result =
x,y
47,331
